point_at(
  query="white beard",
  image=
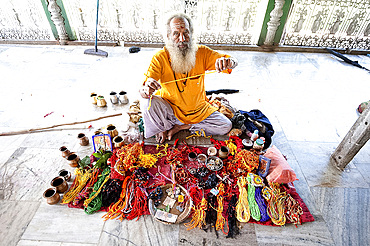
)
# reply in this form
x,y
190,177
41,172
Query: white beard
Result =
x,y
182,61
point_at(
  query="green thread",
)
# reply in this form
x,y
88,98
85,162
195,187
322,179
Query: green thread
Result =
x,y
253,206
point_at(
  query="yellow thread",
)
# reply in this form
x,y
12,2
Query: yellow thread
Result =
x,y
199,216
242,206
232,147
171,81
220,222
200,133
276,204
80,181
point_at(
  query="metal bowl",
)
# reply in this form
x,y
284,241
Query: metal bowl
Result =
x,y
214,163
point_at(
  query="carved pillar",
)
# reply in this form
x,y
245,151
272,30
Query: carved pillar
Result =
x,y
274,22
57,18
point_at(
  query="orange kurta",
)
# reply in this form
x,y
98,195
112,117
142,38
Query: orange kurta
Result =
x,y
188,100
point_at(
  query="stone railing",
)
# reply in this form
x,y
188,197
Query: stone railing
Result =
x,y
314,23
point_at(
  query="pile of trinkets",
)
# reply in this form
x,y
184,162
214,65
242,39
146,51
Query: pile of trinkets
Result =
x,y
222,186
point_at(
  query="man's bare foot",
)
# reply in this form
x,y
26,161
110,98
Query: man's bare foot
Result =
x,y
175,129
161,137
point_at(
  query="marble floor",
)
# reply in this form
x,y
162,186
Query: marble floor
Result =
x,y
310,98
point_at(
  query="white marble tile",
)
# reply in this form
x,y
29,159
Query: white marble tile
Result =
x,y
28,173
50,243
346,213
38,243
58,223
15,217
145,231
314,160
312,233
200,237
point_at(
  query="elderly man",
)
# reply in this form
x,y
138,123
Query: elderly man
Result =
x,y
174,93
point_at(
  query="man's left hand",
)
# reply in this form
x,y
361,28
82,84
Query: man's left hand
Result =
x,y
225,63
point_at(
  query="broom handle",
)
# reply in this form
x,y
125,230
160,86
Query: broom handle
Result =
x,y
96,27
49,127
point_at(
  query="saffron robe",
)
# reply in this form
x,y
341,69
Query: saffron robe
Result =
x,y
187,97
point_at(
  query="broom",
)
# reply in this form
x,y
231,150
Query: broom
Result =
x,y
95,51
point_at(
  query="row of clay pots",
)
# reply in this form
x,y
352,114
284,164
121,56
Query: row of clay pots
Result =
x,y
114,98
59,185
71,157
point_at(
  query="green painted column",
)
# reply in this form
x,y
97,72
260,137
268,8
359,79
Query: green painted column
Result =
x,y
71,34
283,19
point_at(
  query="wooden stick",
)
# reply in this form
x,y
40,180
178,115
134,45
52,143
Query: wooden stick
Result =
x,y
49,127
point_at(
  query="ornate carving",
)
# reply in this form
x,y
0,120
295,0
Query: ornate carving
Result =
x,y
58,20
274,22
336,24
23,20
142,21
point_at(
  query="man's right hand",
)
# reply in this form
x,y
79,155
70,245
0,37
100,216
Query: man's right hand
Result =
x,y
150,86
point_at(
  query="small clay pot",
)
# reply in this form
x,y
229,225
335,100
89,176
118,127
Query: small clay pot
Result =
x,y
202,158
223,152
100,101
118,141
123,97
247,143
60,184
112,131
65,174
83,139
212,151
73,159
93,98
192,156
65,151
52,196
113,97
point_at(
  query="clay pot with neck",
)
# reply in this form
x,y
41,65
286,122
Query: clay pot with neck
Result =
x,y
112,131
60,184
118,141
52,196
83,139
123,97
65,174
113,97
73,159
93,98
223,152
65,151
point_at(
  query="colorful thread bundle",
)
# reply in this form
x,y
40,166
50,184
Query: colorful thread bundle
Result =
x,y
255,211
242,206
199,216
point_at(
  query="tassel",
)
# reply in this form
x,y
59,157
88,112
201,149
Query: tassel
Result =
x,y
293,210
82,177
231,218
220,223
199,216
115,209
139,204
84,194
242,206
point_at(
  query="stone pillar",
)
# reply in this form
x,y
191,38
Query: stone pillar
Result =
x,y
57,18
274,22
355,139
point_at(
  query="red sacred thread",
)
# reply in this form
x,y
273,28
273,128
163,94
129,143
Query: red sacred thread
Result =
x,y
139,204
